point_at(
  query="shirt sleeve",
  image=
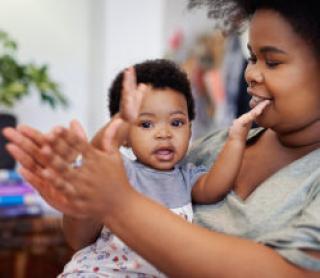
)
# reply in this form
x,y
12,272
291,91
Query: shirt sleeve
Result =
x,y
302,234
193,173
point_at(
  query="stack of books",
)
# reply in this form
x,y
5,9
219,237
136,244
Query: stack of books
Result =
x,y
17,198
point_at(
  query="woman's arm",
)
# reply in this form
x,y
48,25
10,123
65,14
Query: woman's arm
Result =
x,y
181,249
176,247
79,233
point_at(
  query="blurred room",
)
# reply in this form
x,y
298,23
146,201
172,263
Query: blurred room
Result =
x,y
85,43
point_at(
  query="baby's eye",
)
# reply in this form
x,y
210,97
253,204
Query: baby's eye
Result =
x,y
177,123
145,124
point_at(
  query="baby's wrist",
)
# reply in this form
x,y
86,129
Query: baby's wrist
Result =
x,y
236,141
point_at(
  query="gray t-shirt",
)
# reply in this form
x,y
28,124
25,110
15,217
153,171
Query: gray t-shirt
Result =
x,y
283,212
170,188
109,256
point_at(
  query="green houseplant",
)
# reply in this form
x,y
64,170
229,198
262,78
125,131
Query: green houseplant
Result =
x,y
18,80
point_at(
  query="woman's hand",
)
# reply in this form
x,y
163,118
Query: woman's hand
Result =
x,y
25,146
92,187
46,164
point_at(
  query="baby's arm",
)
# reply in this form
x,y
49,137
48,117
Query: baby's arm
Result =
x,y
115,133
214,185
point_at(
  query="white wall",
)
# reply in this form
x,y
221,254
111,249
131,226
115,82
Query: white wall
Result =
x,y
86,43
128,32
54,32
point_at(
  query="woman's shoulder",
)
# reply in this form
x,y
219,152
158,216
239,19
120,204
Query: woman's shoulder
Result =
x,y
204,150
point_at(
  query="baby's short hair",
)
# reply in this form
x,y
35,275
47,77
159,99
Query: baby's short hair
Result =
x,y
159,74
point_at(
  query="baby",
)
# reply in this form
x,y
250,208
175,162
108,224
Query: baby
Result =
x,y
152,101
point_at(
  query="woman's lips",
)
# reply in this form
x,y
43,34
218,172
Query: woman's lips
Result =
x,y
255,100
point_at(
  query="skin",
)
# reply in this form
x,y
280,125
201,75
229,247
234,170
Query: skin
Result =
x,y
163,242
160,135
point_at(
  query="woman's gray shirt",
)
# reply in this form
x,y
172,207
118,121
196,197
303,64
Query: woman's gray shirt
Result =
x,y
282,213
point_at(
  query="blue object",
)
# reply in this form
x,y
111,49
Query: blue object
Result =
x,y
10,175
17,200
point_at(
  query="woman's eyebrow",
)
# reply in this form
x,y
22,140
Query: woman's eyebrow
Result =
x,y
268,49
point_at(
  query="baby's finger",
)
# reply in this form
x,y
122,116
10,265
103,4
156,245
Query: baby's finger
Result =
x,y
129,80
257,111
249,117
78,129
128,107
141,90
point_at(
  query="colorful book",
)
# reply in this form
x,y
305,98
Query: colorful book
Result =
x,y
15,189
19,211
14,200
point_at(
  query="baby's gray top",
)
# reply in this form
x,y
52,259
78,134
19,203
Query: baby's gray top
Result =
x,y
170,188
283,212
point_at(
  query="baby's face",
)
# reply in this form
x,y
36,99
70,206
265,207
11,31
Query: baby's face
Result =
x,y
160,136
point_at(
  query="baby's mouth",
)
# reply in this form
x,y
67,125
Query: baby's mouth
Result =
x,y
164,154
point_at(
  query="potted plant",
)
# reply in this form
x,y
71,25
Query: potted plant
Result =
x,y
18,80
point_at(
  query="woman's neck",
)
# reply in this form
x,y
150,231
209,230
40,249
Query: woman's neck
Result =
x,y
303,138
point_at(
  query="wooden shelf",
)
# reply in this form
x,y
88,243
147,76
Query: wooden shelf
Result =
x,y
32,247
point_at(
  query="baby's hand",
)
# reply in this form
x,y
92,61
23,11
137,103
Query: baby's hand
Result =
x,y
116,132
131,96
241,126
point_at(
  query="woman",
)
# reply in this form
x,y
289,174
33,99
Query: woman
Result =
x,y
269,225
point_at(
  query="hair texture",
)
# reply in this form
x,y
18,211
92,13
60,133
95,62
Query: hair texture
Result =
x,y
158,73
302,15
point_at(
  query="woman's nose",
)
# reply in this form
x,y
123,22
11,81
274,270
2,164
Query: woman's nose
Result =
x,y
253,75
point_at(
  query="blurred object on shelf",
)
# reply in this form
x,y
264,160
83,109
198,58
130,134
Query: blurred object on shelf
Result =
x,y
6,160
18,198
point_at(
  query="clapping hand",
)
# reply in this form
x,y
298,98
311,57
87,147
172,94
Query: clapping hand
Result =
x,y
46,160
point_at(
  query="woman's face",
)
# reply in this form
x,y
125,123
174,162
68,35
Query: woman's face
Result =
x,y
284,69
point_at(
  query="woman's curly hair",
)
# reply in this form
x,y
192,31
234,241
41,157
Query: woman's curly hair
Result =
x,y
160,74
302,15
